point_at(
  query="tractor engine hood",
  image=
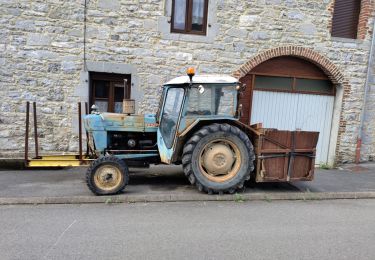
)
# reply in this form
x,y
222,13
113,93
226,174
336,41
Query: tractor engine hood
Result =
x,y
120,122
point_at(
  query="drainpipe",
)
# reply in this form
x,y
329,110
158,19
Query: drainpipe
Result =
x,y
84,34
367,86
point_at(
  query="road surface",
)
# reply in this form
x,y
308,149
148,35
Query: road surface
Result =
x,y
213,230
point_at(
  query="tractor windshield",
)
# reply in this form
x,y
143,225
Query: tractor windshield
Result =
x,y
216,99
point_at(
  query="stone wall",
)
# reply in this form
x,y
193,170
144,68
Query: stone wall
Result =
x,y
43,55
41,59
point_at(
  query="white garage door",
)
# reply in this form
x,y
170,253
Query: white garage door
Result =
x,y
295,111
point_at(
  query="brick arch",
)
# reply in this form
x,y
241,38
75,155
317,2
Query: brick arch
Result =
x,y
310,55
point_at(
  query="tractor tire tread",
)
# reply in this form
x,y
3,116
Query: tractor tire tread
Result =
x,y
193,141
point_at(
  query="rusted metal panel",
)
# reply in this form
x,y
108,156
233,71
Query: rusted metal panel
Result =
x,y
285,155
303,163
121,122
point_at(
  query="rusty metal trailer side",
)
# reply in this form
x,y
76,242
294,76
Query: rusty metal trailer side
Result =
x,y
283,156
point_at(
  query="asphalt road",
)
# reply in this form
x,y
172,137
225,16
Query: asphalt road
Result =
x,y
256,230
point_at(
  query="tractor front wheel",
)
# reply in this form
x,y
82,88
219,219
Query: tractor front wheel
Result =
x,y
107,175
218,158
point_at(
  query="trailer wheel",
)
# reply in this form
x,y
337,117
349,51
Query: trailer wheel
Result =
x,y
107,175
218,158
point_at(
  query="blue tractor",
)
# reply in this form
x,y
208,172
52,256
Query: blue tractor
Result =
x,y
197,125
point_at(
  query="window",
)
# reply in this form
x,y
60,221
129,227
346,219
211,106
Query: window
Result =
x,y
294,85
189,16
313,85
215,100
108,91
346,18
273,83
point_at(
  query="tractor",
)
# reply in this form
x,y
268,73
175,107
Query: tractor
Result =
x,y
196,125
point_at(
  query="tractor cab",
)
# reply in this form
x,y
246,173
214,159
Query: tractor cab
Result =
x,y
188,102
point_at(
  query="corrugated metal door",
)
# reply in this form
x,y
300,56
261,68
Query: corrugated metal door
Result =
x,y
294,111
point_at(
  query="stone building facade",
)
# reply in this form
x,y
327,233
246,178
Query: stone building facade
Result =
x,y
49,48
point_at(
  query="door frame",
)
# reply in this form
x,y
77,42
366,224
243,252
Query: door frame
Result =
x,y
335,125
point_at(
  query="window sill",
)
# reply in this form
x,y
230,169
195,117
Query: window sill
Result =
x,y
189,33
164,27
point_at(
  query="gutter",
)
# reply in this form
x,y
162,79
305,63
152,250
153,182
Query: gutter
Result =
x,y
367,86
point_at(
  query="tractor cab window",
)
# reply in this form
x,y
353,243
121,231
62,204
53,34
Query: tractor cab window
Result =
x,y
216,99
171,112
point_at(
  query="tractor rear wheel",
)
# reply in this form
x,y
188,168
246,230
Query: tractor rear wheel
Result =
x,y
218,158
107,175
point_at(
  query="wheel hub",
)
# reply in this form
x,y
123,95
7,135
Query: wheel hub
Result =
x,y
218,159
107,177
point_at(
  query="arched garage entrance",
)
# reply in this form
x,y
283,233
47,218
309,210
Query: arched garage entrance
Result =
x,y
290,93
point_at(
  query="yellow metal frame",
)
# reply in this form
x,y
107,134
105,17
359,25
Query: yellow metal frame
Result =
x,y
59,161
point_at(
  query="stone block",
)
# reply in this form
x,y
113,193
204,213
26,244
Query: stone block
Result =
x,y
150,25
184,56
54,67
205,56
155,79
9,144
25,25
307,29
68,66
38,39
42,54
249,20
260,35
115,37
238,33
295,15
113,5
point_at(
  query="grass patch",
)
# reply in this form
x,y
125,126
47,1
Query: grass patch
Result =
x,y
108,201
238,198
268,199
324,166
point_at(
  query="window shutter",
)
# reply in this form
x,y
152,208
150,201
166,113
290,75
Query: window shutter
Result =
x,y
345,18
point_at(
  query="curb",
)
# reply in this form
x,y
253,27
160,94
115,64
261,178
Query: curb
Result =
x,y
187,198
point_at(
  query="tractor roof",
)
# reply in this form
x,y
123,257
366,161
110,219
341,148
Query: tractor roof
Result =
x,y
203,79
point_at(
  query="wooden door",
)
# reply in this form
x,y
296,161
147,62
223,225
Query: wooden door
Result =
x,y
246,98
